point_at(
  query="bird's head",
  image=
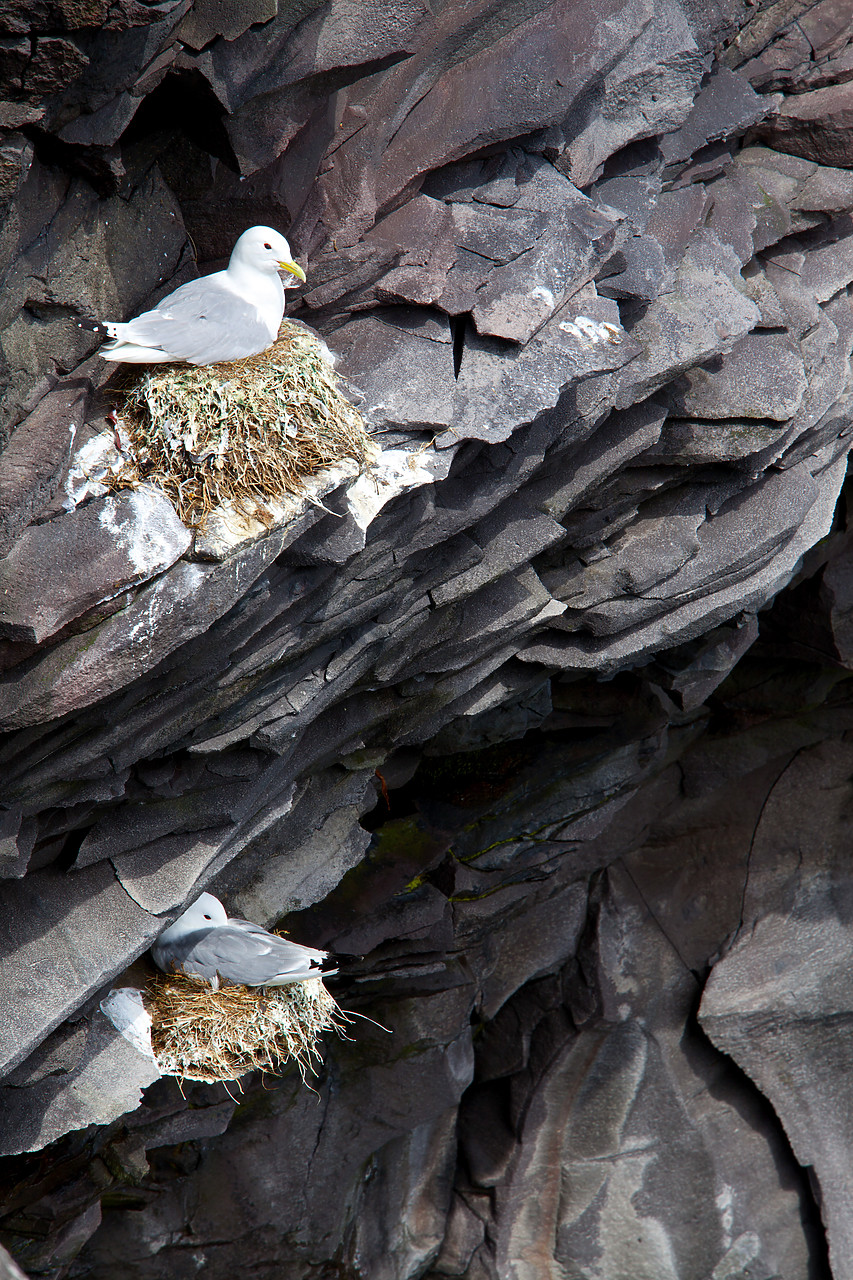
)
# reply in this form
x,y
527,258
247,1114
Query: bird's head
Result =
x,y
205,913
265,250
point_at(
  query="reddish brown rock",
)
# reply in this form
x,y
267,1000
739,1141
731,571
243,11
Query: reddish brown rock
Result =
x,y
32,464
817,125
58,571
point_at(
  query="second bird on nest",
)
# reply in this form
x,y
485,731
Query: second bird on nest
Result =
x,y
206,942
229,315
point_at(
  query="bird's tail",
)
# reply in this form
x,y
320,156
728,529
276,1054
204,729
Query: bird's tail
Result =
x,y
334,962
104,327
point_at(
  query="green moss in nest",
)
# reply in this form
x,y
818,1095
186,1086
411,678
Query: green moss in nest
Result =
x,y
240,433
198,1033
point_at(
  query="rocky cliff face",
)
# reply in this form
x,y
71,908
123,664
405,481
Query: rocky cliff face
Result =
x,y
500,717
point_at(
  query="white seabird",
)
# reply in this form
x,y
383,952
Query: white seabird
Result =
x,y
225,316
206,942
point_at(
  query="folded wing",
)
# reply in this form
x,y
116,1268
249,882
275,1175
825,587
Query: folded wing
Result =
x,y
203,322
246,953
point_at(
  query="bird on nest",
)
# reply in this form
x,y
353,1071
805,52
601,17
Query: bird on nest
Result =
x,y
225,316
207,942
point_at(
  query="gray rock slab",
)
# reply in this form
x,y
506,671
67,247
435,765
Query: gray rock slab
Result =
x,y
211,18
17,837
635,195
518,298
536,941
463,1234
624,434
420,240
674,217
726,105
826,190
60,570
183,1124
62,937
33,461
763,376
636,270
692,673
180,604
648,90
491,615
508,539
784,265
704,313
690,442
305,855
162,875
780,1004
104,1082
733,216
682,622
647,555
762,293
480,100
643,1073
407,379
815,125
92,255
828,268
499,389
133,825
270,69
825,353
746,531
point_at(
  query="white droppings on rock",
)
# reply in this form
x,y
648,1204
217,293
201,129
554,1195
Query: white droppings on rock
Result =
x,y
545,295
394,471
148,537
126,1011
590,333
94,466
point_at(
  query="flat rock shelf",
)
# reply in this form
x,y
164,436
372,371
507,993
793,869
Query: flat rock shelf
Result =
x,y
537,711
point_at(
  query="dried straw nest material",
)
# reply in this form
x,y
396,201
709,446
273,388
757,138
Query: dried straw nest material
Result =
x,y
201,1034
241,432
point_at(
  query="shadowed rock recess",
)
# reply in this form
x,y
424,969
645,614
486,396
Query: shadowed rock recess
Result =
x,y
546,719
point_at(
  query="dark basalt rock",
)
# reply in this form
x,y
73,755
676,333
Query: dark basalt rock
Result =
x,y
543,720
32,464
108,546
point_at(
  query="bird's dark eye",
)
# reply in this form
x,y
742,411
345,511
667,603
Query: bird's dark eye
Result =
x,y
267,246
208,917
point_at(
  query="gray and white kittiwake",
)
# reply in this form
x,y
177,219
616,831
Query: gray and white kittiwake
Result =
x,y
205,941
225,316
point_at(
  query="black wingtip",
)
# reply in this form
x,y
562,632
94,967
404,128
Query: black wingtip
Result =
x,y
335,963
93,326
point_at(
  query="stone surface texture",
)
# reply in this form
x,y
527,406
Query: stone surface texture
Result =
x,y
543,721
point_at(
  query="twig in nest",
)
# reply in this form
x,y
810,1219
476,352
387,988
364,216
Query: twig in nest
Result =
x,y
242,432
201,1034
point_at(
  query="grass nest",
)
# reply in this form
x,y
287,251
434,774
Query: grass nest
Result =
x,y
213,1036
239,433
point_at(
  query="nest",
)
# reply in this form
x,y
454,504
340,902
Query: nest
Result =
x,y
198,1033
238,433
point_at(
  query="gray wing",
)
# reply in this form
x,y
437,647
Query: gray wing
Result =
x,y
202,323
244,954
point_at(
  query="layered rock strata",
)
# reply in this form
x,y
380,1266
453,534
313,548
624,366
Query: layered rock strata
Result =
x,y
499,716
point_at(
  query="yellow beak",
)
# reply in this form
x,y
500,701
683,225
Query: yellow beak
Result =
x,y
294,269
